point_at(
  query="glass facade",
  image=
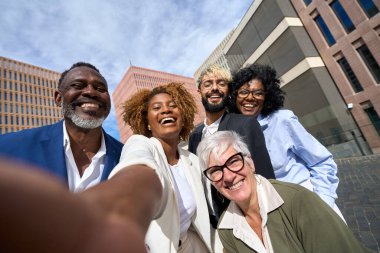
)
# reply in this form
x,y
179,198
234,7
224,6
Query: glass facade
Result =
x,y
370,61
369,7
374,117
307,2
325,30
355,84
342,15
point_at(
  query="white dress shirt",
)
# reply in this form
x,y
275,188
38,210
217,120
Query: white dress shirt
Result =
x,y
212,128
92,175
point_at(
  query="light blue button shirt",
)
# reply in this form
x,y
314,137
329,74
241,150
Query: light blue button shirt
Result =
x,y
297,156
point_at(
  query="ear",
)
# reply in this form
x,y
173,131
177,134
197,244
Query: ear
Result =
x,y
57,98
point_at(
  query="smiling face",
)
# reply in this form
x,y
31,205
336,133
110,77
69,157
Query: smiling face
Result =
x,y
164,117
250,98
84,97
214,93
239,186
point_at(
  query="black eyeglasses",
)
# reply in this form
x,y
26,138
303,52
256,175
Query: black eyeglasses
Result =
x,y
258,94
235,163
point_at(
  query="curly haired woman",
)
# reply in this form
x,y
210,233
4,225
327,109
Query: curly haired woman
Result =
x,y
296,156
160,118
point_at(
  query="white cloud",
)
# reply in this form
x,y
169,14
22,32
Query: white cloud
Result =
x,y
168,35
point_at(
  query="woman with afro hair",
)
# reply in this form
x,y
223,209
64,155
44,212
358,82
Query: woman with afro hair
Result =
x,y
160,118
296,156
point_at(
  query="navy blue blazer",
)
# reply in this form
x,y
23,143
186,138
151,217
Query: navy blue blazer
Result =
x,y
43,147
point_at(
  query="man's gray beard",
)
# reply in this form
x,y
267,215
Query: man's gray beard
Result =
x,y
69,112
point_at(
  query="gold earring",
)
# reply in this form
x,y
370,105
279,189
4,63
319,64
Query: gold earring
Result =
x,y
149,127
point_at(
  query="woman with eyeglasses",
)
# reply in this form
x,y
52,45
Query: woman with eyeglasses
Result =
x,y
267,216
297,157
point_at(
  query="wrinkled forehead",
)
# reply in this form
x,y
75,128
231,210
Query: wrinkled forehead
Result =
x,y
219,155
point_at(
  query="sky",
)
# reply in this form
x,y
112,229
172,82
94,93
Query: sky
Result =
x,y
173,36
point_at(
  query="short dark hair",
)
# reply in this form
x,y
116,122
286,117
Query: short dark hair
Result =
x,y
274,96
75,65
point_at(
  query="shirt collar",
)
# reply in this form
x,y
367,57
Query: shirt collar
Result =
x,y
212,128
269,200
66,143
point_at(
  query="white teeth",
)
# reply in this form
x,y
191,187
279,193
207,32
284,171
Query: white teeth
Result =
x,y
167,120
214,96
236,185
88,105
249,105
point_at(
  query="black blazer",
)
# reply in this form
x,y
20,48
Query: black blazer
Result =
x,y
250,129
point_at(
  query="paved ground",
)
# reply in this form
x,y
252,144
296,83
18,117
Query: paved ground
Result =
x,y
359,197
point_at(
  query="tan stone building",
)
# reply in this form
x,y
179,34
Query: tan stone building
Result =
x,y
26,96
138,78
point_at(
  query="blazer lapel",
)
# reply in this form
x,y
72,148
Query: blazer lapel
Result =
x,y
54,149
223,122
111,159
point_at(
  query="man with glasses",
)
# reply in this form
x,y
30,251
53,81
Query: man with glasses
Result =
x,y
213,85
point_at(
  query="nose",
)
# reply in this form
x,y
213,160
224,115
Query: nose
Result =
x,y
166,109
250,96
214,86
90,91
228,176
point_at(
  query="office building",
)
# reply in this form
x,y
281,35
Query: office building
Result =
x,y
138,78
26,96
346,35
216,57
312,65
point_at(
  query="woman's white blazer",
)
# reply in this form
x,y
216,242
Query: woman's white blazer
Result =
x,y
163,232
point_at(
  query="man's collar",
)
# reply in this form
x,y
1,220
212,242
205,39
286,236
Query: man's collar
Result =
x,y
223,112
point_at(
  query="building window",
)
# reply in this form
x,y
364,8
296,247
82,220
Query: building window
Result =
x,y
370,62
307,2
374,117
355,84
342,15
369,7
325,30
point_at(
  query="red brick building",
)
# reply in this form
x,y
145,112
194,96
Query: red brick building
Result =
x,y
138,78
346,34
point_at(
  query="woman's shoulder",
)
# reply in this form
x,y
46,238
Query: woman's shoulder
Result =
x,y
289,191
282,116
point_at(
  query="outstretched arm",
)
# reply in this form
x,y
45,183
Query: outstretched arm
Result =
x,y
39,214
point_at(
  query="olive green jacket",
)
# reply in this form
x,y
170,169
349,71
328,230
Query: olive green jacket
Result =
x,y
303,223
